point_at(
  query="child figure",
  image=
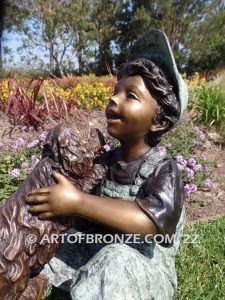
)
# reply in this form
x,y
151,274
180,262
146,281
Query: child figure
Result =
x,y
141,194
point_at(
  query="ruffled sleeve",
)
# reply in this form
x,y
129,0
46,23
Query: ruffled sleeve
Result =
x,y
163,197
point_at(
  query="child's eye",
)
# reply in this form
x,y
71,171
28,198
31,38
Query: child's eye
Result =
x,y
132,96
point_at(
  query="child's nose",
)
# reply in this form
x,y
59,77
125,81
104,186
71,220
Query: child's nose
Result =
x,y
114,99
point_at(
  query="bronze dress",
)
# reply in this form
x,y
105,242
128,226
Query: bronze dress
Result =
x,y
119,271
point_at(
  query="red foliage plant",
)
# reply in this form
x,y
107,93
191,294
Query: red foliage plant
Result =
x,y
25,108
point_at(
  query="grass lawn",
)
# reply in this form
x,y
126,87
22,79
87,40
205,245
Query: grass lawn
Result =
x,y
200,264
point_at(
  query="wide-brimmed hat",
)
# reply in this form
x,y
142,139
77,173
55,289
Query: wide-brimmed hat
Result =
x,y
154,45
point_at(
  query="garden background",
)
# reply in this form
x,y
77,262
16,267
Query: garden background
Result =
x,y
63,67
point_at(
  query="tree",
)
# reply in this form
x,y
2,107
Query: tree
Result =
x,y
104,14
174,17
43,27
205,46
64,29
96,35
3,5
77,18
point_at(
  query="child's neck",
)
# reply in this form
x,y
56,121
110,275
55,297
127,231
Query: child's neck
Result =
x,y
130,151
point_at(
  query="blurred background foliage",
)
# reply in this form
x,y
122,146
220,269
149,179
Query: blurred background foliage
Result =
x,y
94,36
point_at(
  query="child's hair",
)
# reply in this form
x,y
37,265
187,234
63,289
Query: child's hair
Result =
x,y
159,87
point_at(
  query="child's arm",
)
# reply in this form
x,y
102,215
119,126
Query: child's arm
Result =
x,y
65,200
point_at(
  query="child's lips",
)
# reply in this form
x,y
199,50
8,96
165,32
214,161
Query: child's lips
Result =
x,y
112,116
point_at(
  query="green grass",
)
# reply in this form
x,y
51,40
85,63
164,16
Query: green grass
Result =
x,y
200,265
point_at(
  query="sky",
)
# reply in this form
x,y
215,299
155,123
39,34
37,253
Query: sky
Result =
x,y
13,41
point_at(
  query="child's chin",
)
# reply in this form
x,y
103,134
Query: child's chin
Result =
x,y
113,133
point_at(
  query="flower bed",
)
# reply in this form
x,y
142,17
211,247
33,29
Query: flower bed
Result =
x,y
186,145
30,104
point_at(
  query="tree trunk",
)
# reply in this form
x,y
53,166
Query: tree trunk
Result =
x,y
51,57
80,53
1,62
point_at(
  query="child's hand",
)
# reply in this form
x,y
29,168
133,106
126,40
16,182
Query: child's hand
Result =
x,y
60,199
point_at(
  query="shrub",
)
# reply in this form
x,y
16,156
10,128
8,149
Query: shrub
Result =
x,y
208,101
17,159
186,145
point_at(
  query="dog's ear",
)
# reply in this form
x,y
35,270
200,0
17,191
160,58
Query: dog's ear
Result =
x,y
101,137
96,133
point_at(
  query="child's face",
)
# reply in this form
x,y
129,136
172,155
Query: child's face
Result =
x,y
130,110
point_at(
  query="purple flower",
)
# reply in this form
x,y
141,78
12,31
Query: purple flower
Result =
x,y
209,183
107,147
180,167
208,144
42,136
201,135
161,149
33,157
110,143
24,165
196,128
179,157
20,141
190,173
181,160
1,145
15,173
190,189
207,169
197,168
191,162
15,146
25,128
17,143
32,144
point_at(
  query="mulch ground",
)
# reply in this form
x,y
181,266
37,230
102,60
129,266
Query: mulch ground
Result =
x,y
207,205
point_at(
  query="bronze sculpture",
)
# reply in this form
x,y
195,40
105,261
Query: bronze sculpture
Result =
x,y
141,194
71,152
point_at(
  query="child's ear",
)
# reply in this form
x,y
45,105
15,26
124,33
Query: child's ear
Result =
x,y
160,126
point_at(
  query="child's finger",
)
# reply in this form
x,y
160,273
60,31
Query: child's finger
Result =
x,y
40,191
37,198
46,215
38,208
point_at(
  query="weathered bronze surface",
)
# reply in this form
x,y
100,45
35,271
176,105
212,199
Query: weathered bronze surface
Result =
x,y
69,151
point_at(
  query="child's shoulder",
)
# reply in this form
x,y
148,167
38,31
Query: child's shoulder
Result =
x,y
163,164
161,160
168,165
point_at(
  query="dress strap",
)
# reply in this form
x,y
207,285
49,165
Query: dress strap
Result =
x,y
151,162
147,168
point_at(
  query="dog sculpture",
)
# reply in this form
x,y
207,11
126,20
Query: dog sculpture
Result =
x,y
71,152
